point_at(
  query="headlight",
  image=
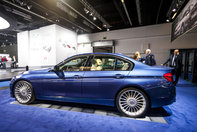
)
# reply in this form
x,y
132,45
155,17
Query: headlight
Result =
x,y
18,76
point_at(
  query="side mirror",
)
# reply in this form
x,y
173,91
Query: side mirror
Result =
x,y
56,68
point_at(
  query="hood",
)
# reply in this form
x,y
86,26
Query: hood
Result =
x,y
38,71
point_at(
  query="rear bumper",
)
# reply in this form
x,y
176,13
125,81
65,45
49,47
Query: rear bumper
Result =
x,y
165,96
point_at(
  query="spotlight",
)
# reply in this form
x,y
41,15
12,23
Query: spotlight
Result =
x,y
29,6
104,25
57,20
4,23
91,14
167,20
174,10
94,18
108,29
86,11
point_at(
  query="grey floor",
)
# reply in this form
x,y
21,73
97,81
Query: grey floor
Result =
x,y
155,115
7,74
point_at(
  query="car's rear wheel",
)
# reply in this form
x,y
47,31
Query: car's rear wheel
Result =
x,y
132,102
23,92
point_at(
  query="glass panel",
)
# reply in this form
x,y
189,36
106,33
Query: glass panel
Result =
x,y
76,64
122,65
191,59
103,63
183,61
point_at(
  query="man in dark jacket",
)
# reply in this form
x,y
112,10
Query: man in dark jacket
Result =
x,y
150,58
175,62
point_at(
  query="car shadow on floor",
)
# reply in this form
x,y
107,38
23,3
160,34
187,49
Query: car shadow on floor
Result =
x,y
153,112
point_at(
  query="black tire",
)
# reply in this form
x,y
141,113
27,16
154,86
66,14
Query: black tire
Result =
x,y
23,92
130,105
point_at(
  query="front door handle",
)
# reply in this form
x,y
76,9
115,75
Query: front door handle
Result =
x,y
77,76
119,76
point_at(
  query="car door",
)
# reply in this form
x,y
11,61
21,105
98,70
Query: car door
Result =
x,y
105,77
66,82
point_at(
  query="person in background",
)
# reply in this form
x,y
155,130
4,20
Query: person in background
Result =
x,y
175,62
9,59
4,60
137,56
1,62
150,58
14,62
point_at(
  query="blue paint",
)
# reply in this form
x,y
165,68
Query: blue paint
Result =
x,y
182,118
4,83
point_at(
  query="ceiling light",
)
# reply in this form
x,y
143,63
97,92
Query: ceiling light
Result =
x,y
3,23
174,15
108,29
86,11
91,14
174,10
29,7
94,18
167,20
104,25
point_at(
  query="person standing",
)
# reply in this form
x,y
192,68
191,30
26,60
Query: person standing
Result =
x,y
175,62
14,62
4,60
137,56
150,58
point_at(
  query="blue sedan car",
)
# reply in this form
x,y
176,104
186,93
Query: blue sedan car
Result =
x,y
99,78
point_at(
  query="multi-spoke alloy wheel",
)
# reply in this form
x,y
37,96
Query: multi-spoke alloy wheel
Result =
x,y
23,92
132,102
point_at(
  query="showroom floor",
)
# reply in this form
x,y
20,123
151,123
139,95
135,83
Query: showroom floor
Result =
x,y
55,116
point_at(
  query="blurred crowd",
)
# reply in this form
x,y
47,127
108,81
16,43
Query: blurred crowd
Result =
x,y
5,60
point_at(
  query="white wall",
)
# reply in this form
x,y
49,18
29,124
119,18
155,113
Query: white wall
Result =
x,y
66,43
45,46
127,41
42,50
23,48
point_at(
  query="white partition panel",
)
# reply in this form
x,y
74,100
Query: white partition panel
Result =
x,y
66,43
23,48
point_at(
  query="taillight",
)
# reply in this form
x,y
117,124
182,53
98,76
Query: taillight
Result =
x,y
168,76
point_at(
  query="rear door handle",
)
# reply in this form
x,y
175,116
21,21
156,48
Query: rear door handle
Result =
x,y
119,76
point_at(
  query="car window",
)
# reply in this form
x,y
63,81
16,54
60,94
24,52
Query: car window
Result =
x,y
103,63
75,64
122,65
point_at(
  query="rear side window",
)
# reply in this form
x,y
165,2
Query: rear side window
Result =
x,y
122,65
103,63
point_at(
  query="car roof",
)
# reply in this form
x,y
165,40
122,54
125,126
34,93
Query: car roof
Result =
x,y
115,54
139,64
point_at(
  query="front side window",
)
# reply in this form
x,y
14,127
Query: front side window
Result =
x,y
76,64
103,63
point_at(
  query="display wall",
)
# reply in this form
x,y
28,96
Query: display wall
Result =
x,y
45,46
157,37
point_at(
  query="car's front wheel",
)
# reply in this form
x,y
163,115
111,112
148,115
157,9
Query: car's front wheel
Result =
x,y
132,102
23,92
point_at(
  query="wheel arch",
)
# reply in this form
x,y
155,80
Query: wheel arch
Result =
x,y
21,79
133,86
